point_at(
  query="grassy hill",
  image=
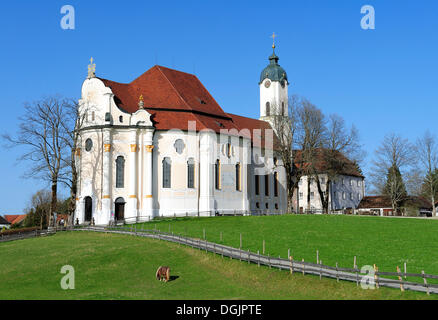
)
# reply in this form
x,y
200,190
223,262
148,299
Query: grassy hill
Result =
x,y
386,242
110,266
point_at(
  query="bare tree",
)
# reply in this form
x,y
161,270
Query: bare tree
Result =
x,y
285,128
311,137
338,142
427,154
73,122
43,135
393,158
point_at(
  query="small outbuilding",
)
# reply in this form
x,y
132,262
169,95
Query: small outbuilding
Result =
x,y
413,206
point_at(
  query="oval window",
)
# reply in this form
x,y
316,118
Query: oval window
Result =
x,y
88,144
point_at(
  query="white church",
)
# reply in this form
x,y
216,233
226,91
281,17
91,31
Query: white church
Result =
x,y
162,146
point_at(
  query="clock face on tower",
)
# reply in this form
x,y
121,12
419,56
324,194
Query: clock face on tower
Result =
x,y
267,84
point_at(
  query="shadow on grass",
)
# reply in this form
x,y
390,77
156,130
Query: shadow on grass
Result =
x,y
172,278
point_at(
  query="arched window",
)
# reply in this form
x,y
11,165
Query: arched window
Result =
x,y
217,174
238,177
167,166
120,172
190,173
268,109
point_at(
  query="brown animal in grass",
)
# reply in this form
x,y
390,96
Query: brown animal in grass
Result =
x,y
163,272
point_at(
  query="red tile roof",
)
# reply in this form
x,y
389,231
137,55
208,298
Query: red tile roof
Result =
x,y
257,129
370,202
14,218
173,98
344,165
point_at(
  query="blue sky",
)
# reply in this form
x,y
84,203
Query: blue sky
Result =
x,y
382,80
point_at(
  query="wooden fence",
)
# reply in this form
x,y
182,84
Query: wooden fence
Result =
x,y
375,279
27,234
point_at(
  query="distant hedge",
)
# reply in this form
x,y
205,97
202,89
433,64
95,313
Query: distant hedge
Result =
x,y
15,231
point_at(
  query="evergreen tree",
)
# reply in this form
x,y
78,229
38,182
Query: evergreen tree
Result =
x,y
395,187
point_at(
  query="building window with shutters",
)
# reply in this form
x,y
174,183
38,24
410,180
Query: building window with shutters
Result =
x,y
120,172
190,173
257,185
217,174
167,166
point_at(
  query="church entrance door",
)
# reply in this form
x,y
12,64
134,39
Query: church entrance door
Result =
x,y
119,209
88,209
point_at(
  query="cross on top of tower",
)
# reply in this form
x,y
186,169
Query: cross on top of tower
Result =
x,y
91,69
273,40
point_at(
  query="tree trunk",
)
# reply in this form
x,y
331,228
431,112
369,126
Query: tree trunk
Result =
x,y
54,200
324,200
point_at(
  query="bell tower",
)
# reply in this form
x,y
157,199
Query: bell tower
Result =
x,y
273,89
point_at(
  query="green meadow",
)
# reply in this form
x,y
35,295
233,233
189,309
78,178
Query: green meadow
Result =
x,y
386,242
112,266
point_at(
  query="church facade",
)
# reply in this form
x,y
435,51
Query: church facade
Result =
x,y
161,145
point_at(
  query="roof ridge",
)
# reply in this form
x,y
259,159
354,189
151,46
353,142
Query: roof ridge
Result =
x,y
170,82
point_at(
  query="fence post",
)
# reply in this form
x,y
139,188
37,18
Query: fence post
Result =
x,y
376,277
317,257
337,274
258,258
203,233
304,266
288,252
249,255
400,279
291,259
425,282
320,270
405,270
